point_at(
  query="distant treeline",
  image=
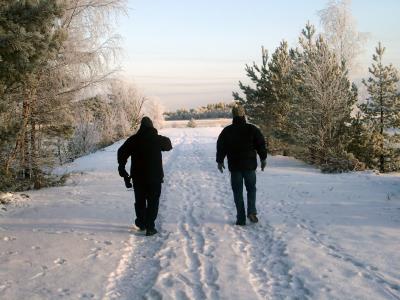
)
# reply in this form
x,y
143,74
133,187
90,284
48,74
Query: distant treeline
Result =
x,y
210,111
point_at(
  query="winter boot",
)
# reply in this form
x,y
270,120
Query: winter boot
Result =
x,y
253,218
150,232
140,226
241,223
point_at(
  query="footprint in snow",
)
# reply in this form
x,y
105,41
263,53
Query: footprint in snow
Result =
x,y
60,261
210,231
86,296
167,281
326,290
63,292
181,295
364,275
5,285
153,294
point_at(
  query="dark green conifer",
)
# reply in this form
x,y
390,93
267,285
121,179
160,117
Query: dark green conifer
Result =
x,y
382,110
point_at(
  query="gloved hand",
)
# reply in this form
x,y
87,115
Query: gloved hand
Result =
x,y
128,182
263,164
122,172
221,167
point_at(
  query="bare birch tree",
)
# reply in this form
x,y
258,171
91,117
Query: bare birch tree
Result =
x,y
340,32
155,111
130,104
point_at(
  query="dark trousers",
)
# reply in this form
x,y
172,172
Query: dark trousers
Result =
x,y
147,198
249,178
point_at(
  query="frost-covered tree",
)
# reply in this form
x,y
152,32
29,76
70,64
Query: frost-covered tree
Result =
x,y
104,119
302,99
382,110
86,135
340,32
50,51
155,111
323,98
128,104
30,38
89,54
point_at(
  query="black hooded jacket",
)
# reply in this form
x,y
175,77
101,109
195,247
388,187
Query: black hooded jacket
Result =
x,y
241,142
145,148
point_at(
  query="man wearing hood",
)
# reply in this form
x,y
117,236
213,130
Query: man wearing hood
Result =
x,y
146,172
241,142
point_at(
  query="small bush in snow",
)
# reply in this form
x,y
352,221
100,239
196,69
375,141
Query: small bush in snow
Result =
x,y
192,123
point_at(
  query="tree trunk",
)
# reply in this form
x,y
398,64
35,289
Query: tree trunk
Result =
x,y
382,157
34,156
21,140
25,155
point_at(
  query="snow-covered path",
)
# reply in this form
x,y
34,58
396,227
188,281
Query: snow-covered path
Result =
x,y
319,236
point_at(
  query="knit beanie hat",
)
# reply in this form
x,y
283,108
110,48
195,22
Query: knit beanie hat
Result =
x,y
238,111
146,122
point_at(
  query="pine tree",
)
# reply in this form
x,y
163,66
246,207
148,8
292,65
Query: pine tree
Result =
x,y
363,142
28,36
323,98
382,110
279,77
257,100
49,51
267,101
30,40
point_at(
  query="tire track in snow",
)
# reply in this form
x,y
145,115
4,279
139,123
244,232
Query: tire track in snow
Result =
x,y
195,277
265,255
186,262
268,263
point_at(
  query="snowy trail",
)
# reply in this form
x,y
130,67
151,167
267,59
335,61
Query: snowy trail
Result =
x,y
319,237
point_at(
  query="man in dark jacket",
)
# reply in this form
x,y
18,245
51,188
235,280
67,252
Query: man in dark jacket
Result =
x,y
147,173
241,142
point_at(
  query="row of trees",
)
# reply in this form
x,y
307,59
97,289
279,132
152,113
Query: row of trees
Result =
x,y
53,56
210,111
304,101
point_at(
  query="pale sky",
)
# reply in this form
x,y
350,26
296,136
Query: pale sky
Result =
x,y
189,53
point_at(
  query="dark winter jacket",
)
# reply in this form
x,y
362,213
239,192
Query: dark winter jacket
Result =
x,y
241,142
145,148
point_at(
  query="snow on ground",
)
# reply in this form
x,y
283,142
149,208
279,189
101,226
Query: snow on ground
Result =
x,y
319,236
